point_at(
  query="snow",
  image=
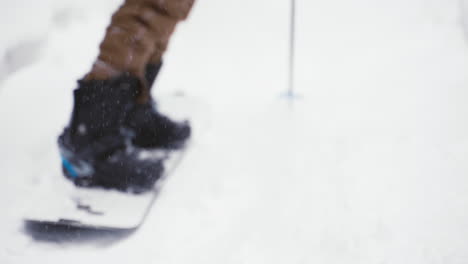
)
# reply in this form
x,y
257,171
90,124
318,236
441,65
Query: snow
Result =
x,y
369,165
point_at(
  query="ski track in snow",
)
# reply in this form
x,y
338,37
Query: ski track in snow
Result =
x,y
369,165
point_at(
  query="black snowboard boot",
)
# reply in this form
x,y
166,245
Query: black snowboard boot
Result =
x,y
153,129
96,147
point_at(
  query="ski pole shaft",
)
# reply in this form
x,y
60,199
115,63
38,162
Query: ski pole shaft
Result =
x,y
292,36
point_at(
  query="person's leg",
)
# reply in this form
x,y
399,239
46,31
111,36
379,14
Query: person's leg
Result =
x,y
95,146
153,129
139,32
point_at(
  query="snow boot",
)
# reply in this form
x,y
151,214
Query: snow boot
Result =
x,y
153,129
96,147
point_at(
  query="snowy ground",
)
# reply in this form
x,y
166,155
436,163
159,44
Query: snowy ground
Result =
x,y
370,165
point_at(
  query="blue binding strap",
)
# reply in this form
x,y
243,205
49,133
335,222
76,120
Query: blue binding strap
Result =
x,y
69,167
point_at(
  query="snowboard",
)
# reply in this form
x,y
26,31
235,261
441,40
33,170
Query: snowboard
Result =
x,y
58,202
64,204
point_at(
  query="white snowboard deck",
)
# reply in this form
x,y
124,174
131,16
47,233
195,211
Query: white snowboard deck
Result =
x,y
61,203
58,201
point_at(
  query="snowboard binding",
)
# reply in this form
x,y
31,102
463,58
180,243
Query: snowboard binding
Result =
x,y
96,148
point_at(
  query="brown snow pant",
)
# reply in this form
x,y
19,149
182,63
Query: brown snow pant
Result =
x,y
138,34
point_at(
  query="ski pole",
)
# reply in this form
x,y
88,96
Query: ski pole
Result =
x,y
292,36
